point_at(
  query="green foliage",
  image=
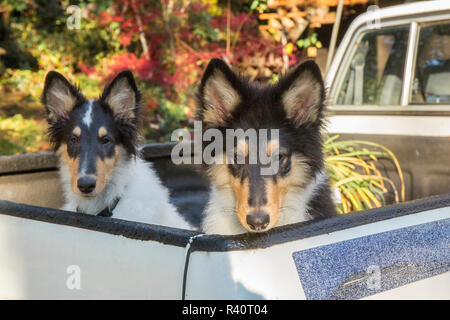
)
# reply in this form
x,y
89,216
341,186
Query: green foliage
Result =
x,y
309,41
18,5
258,5
165,115
44,34
172,115
352,169
19,135
181,38
23,82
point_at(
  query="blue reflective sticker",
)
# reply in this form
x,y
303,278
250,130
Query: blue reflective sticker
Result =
x,y
364,266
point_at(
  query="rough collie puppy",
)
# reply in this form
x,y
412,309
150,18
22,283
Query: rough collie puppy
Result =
x,y
242,198
100,168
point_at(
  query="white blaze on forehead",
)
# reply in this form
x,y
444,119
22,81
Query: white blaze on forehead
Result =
x,y
83,165
87,118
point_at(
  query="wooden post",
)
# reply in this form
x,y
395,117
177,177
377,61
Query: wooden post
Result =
x,y
228,53
285,56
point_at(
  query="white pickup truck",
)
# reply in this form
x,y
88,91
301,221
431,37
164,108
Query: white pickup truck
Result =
x,y
390,84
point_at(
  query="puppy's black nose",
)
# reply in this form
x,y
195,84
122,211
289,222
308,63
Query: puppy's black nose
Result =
x,y
86,184
258,220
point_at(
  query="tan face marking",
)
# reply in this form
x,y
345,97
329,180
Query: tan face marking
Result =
x,y
73,165
275,190
105,168
77,131
241,192
275,193
102,132
242,147
272,146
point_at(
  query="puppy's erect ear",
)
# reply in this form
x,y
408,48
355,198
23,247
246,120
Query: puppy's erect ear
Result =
x,y
218,95
59,96
123,97
303,94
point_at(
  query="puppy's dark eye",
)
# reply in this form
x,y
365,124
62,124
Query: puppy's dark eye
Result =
x,y
281,157
105,140
285,164
74,139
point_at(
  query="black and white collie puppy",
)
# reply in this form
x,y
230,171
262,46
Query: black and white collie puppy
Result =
x,y
100,168
241,198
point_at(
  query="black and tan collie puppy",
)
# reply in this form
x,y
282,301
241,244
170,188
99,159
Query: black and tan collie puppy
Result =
x,y
100,169
242,198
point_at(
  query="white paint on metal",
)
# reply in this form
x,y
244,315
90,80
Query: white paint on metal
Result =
x,y
34,257
433,288
271,273
394,125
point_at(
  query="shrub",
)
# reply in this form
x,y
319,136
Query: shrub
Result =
x,y
352,170
19,135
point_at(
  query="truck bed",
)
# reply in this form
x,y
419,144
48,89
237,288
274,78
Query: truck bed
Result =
x,y
403,248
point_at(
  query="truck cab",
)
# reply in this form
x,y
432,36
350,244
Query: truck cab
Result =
x,y
390,82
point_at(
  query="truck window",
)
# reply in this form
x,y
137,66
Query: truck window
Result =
x,y
431,84
375,73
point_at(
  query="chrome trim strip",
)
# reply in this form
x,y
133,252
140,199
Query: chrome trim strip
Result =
x,y
409,65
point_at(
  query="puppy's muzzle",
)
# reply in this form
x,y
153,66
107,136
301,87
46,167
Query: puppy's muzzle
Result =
x,y
258,220
86,184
